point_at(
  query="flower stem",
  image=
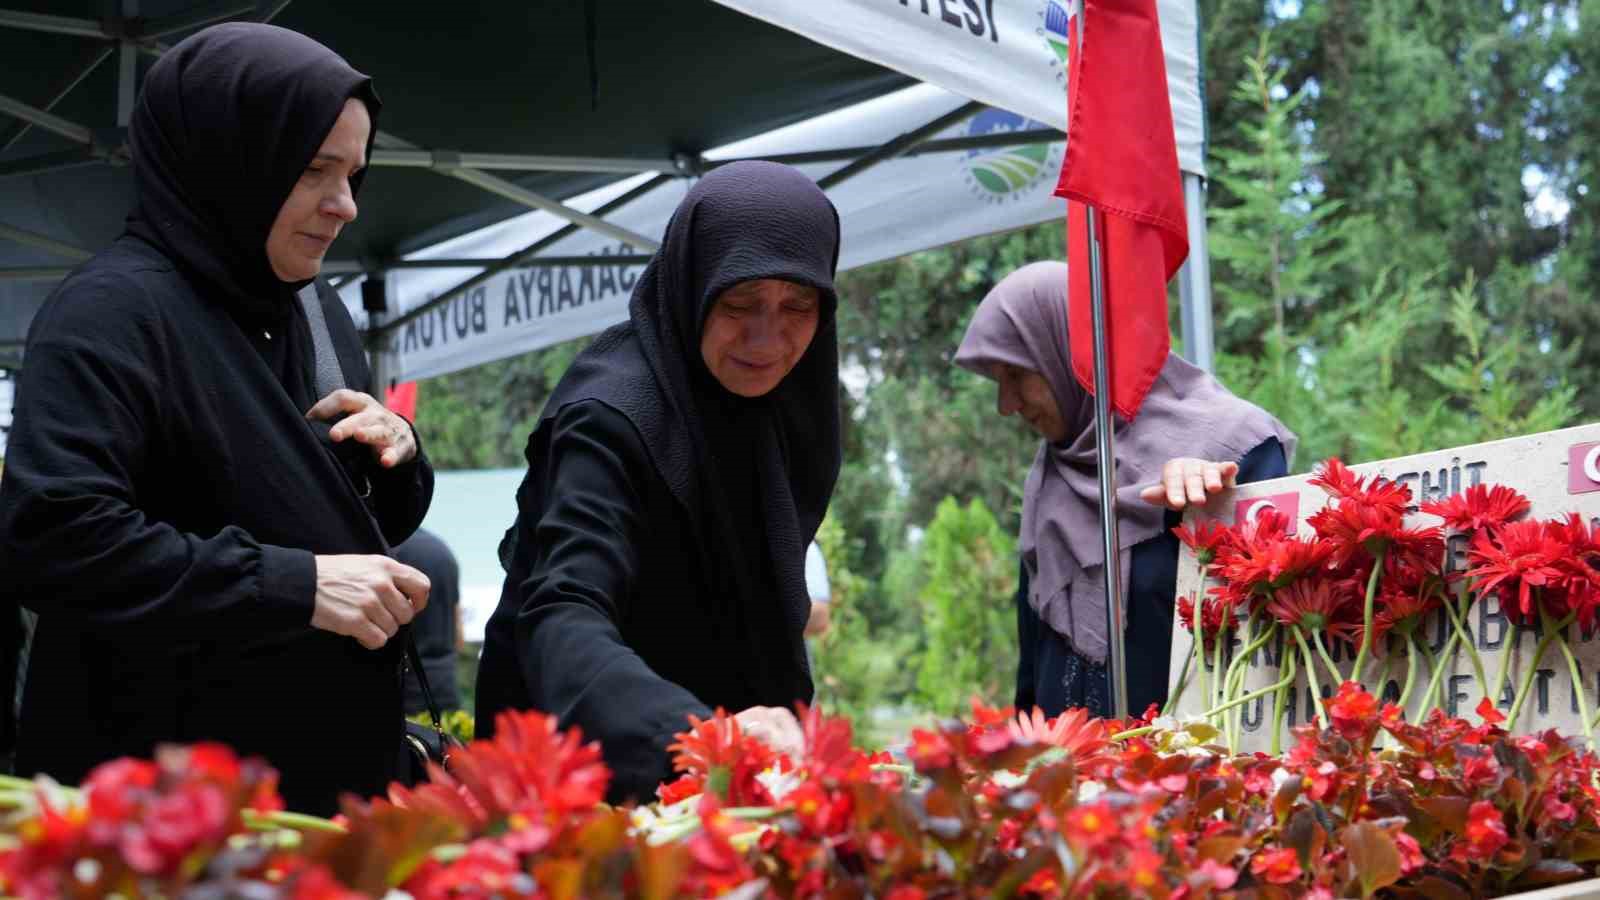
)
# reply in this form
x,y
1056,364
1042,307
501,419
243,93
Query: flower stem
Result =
x,y
1239,667
1134,732
1579,691
1508,643
1434,688
1242,659
1216,660
1284,687
1533,667
1366,614
286,819
1311,675
1183,680
1200,649
1327,660
1433,664
1411,671
1262,692
1461,619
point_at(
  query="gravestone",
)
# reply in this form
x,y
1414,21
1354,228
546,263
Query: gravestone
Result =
x,y
1558,471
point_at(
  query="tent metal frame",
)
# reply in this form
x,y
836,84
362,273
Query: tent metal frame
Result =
x,y
130,35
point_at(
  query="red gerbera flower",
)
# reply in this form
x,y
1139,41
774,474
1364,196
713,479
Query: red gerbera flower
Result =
x,y
1207,536
1216,616
1512,562
728,759
1318,604
1479,507
1073,731
530,769
1336,478
1265,558
1350,527
1582,538
1402,608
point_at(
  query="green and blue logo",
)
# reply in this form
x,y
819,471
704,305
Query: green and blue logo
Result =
x,y
1007,173
1056,18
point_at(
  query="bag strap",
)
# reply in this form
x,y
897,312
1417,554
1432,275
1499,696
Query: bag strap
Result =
x,y
327,363
414,663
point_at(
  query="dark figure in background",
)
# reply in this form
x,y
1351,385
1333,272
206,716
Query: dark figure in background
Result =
x,y
437,629
1191,437
196,502
656,568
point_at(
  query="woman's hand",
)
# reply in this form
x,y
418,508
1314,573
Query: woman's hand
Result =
x,y
774,726
1187,480
366,420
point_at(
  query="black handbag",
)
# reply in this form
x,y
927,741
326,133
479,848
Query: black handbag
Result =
x,y
423,744
420,745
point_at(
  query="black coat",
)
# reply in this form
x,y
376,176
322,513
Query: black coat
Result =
x,y
608,620
656,567
162,501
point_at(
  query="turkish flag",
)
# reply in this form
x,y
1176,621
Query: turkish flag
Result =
x,y
402,400
1122,159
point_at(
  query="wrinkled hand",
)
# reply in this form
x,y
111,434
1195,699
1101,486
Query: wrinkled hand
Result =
x,y
774,726
367,597
369,423
1188,480
817,622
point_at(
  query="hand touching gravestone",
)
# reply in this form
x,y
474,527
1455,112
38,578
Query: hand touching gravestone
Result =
x,y
1472,569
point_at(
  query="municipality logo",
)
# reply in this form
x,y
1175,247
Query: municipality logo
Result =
x,y
1007,173
1054,18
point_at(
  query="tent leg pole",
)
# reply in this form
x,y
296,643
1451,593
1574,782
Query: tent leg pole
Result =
x,y
1194,280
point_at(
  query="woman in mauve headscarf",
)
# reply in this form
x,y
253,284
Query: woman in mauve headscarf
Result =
x,y
656,567
1190,439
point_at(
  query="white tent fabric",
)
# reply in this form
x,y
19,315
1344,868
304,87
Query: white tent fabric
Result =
x,y
1009,54
894,208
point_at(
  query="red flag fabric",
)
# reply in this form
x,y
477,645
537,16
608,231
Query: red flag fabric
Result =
x,y
1122,158
402,399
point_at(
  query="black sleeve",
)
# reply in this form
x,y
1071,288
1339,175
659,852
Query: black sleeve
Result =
x,y
1265,461
582,553
73,539
1027,645
400,496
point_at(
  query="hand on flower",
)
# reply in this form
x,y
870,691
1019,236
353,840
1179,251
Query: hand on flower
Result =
x,y
1188,480
367,597
366,420
774,726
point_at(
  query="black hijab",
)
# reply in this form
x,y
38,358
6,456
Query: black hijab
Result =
x,y
226,123
754,475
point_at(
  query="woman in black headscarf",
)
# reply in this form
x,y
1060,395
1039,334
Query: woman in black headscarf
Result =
x,y
196,497
656,568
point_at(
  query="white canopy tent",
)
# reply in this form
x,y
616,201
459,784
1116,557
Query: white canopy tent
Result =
x,y
932,165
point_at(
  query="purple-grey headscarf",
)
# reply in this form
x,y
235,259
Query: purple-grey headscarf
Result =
x,y
1023,322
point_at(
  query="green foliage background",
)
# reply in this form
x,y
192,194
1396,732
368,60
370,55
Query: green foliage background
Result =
x,y
1405,238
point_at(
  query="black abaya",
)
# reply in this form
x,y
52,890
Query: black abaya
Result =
x,y
164,494
656,568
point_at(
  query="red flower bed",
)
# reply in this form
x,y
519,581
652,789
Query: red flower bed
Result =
x,y
1003,805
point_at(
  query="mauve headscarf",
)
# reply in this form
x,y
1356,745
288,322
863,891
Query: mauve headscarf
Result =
x,y
1023,322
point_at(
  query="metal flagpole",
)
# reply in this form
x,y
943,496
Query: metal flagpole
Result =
x,y
1116,660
